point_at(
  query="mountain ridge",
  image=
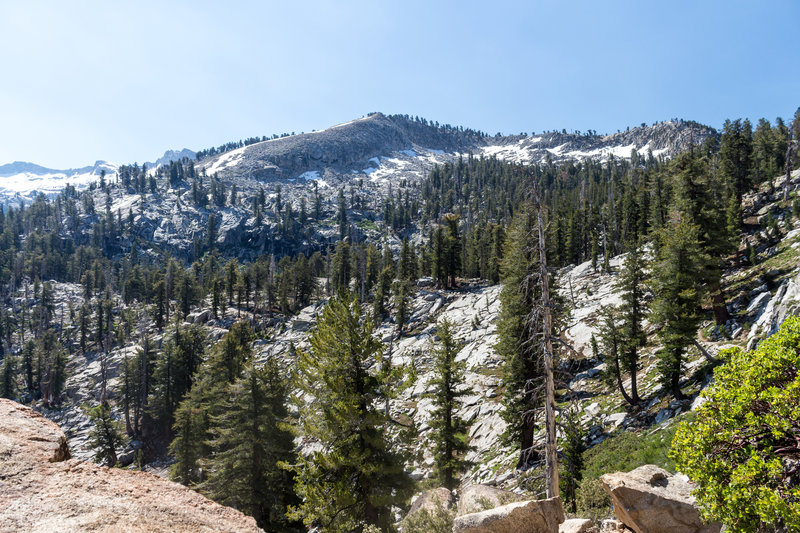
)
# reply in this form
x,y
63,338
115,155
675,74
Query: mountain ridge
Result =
x,y
348,148
351,148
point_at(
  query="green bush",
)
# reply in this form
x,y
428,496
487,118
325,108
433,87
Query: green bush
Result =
x,y
592,500
743,447
627,450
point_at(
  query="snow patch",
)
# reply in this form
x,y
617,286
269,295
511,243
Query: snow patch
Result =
x,y
52,182
226,160
310,175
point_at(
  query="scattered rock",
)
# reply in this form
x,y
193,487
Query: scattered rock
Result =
x,y
651,500
533,516
615,419
663,414
42,489
610,525
199,317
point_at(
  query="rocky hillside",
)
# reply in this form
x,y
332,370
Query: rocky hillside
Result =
x,y
375,147
43,489
380,143
761,295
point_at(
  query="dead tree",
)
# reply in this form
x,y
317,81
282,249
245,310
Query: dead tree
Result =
x,y
539,326
551,453
788,166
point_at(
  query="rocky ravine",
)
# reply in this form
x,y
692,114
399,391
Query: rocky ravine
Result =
x,y
43,489
473,311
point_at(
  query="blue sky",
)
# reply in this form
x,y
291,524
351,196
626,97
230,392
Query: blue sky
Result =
x,y
124,81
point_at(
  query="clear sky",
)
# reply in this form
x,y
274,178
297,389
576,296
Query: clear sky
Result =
x,y
124,81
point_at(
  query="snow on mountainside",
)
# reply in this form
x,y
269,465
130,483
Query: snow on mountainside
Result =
x,y
662,139
20,181
379,146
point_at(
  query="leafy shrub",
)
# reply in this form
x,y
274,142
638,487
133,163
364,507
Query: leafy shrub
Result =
x,y
627,450
744,445
592,500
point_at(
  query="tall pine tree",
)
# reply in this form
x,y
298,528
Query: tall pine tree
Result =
x,y
449,432
356,475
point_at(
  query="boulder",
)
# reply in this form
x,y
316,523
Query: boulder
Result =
x,y
476,498
199,317
577,525
42,489
533,516
431,500
651,500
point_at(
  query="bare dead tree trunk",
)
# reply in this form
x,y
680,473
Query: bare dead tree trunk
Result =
x,y
705,353
551,453
788,167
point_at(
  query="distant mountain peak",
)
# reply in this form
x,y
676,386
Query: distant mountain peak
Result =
x,y
173,155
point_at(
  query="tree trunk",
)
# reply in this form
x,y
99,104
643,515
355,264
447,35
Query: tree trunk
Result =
x,y
622,390
721,315
675,381
634,398
788,167
705,353
551,454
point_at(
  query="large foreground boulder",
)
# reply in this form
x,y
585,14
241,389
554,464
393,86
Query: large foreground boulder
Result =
x,y
432,500
534,516
577,525
42,489
651,500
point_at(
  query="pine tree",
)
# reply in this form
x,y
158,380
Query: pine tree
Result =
x,y
174,371
631,285
700,199
341,269
736,149
522,371
676,308
382,289
356,476
611,340
341,217
105,437
204,401
249,440
449,432
452,250
402,293
187,446
8,378
573,446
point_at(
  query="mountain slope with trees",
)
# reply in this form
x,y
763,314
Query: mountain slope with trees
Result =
x,y
191,310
